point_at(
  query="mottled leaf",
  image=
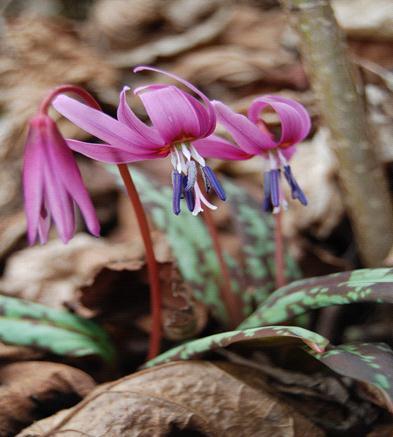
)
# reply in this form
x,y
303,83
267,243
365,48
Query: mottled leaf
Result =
x,y
366,285
369,363
258,337
189,240
256,231
26,323
193,249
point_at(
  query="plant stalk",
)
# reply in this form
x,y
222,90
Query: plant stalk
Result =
x,y
365,188
154,280
231,302
279,263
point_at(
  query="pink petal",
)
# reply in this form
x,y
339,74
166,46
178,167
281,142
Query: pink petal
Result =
x,y
295,120
65,167
44,226
58,201
171,113
33,183
209,107
216,147
288,152
101,125
108,153
251,139
126,115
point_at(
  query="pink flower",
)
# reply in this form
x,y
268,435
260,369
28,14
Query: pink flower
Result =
x,y
178,120
52,184
254,138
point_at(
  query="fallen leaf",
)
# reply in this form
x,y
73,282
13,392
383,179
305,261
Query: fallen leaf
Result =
x,y
193,397
9,353
32,390
374,23
53,274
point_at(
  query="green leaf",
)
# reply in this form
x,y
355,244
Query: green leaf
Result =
x,y
369,363
366,285
189,240
258,337
193,249
26,323
256,231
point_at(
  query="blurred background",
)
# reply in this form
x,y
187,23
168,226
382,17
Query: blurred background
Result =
x,y
233,51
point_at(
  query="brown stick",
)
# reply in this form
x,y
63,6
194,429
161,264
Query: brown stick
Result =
x,y
365,189
231,302
155,293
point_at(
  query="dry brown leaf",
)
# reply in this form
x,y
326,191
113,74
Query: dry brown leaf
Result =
x,y
10,353
118,294
365,19
35,389
173,45
52,274
193,396
315,168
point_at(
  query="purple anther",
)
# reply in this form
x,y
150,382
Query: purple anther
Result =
x,y
267,203
214,182
274,176
296,191
177,181
189,195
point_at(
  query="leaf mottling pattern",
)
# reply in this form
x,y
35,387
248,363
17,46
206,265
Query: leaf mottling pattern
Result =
x,y
366,285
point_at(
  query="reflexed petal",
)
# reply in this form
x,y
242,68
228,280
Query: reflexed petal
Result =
x,y
244,132
108,153
216,147
171,113
33,179
295,121
127,116
101,125
209,106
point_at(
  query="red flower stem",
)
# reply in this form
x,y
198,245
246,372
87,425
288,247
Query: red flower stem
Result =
x,y
231,302
155,291
86,96
279,251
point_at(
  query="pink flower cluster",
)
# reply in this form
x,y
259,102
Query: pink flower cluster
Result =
x,y
182,127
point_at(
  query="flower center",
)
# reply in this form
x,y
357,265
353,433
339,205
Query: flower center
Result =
x,y
274,197
186,162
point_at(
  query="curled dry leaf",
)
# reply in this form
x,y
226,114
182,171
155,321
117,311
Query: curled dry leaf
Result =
x,y
173,45
249,51
52,274
34,389
193,397
119,295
